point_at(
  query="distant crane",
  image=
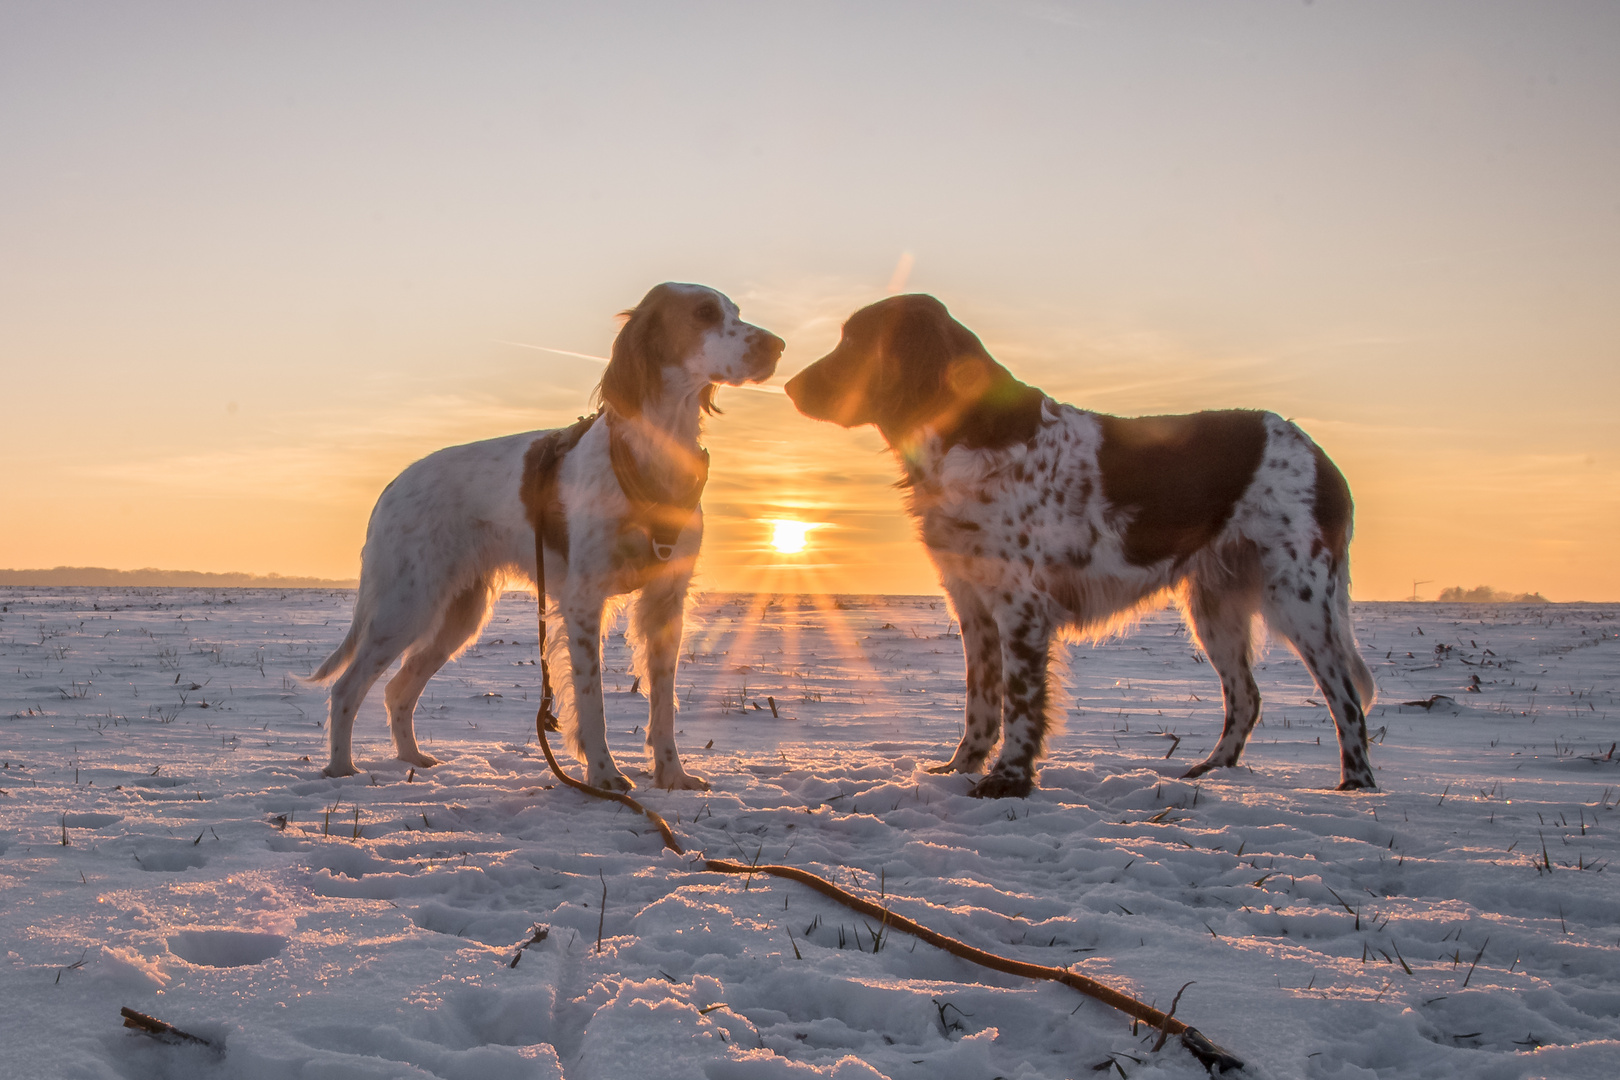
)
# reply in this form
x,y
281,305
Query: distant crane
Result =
x,y
1415,584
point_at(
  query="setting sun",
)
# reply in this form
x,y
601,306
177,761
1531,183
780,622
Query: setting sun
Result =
x,y
788,536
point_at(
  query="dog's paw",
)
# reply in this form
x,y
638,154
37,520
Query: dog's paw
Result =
x,y
420,760
1202,768
1357,783
1004,785
958,765
615,782
681,781
336,770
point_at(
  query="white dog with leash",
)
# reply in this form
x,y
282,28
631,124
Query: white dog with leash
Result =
x,y
618,494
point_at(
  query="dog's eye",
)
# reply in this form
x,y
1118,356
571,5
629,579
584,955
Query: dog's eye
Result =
x,y
708,312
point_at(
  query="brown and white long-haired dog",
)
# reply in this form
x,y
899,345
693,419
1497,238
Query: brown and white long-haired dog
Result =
x,y
1041,516
617,494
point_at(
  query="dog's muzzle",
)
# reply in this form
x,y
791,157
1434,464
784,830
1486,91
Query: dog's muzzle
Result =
x,y
763,353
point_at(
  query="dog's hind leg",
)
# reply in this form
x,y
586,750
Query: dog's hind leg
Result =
x,y
372,658
981,647
1223,619
462,620
1308,611
658,621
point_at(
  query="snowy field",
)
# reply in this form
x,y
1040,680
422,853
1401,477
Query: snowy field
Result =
x,y
167,843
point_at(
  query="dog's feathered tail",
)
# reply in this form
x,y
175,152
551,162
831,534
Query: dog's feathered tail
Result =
x,y
1334,512
1345,628
341,657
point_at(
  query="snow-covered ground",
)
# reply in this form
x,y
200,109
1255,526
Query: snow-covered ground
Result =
x,y
167,843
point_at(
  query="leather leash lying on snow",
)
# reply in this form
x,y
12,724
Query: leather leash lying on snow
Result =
x,y
1212,1057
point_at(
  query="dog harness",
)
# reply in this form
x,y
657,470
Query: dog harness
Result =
x,y
659,513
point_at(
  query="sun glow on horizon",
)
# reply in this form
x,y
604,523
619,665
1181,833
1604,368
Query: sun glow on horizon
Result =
x,y
788,537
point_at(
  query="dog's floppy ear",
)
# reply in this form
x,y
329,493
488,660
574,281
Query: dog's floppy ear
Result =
x,y
916,351
634,373
922,353
936,372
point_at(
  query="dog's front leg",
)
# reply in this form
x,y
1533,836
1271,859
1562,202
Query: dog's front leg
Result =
x,y
1026,641
981,647
583,623
658,615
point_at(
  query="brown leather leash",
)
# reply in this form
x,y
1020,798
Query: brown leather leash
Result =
x,y
1211,1056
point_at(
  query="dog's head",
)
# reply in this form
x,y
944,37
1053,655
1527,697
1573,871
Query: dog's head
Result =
x,y
684,339
906,366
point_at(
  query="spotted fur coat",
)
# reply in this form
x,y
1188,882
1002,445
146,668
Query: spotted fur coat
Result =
x,y
1042,517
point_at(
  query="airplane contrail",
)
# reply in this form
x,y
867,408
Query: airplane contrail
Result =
x,y
559,352
602,360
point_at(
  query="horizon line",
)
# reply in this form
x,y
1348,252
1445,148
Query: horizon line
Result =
x,y
151,577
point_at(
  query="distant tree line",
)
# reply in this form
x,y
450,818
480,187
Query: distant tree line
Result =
x,y
1484,594
149,578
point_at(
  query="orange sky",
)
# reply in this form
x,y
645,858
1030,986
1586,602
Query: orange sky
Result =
x,y
257,259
